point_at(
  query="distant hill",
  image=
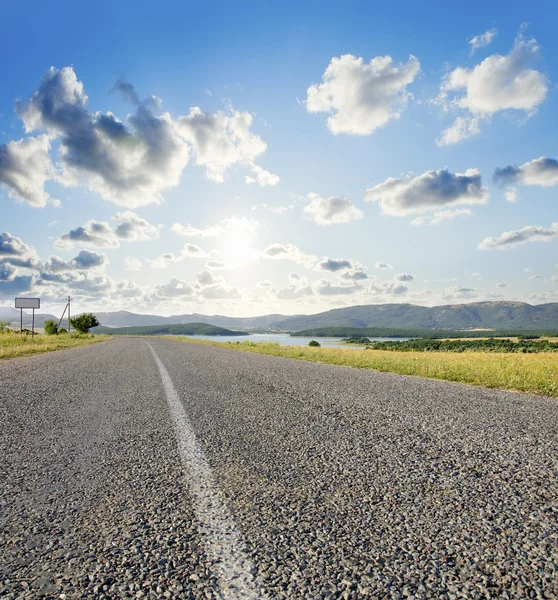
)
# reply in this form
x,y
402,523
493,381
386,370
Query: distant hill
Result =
x,y
182,329
123,318
486,315
476,315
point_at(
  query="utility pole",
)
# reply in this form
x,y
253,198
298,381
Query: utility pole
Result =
x,y
66,308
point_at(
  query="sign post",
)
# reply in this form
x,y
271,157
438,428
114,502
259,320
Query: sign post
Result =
x,y
22,303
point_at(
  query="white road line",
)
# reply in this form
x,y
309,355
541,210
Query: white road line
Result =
x,y
224,544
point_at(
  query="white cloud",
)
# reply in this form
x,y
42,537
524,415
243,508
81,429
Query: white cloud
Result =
x,y
404,277
16,253
222,140
188,251
264,284
335,264
416,194
502,284
510,239
332,210
512,196
383,265
101,234
129,163
541,171
326,288
482,40
84,261
132,264
457,292
215,264
175,288
499,83
262,177
387,288
133,228
25,167
289,252
126,163
362,97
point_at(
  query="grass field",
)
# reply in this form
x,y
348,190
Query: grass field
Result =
x,y
13,345
534,373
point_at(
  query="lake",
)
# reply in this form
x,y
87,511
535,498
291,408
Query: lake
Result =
x,y
284,339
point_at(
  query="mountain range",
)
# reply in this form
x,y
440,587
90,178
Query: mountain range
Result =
x,y
475,315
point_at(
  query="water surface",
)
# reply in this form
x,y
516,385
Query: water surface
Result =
x,y
284,339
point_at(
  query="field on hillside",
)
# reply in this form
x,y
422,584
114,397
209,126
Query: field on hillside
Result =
x,y
14,344
534,373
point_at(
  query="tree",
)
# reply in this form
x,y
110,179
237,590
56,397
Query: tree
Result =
x,y
50,327
84,322
4,326
314,344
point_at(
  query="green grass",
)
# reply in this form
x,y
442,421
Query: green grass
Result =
x,y
533,373
13,345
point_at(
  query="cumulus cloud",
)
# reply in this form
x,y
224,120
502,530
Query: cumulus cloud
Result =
x,y
215,265
416,194
188,251
332,210
404,277
386,288
383,265
357,274
442,215
264,284
16,253
289,252
84,261
25,167
359,96
126,163
499,83
175,288
206,278
129,163
326,288
133,228
101,234
224,140
541,171
335,264
502,284
510,239
261,177
482,40
512,196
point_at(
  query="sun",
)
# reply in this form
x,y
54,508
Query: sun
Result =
x,y
238,240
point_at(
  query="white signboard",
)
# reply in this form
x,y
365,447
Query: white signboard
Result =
x,y
28,303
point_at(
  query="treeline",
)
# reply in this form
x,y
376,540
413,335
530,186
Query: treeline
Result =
x,y
186,329
392,332
490,345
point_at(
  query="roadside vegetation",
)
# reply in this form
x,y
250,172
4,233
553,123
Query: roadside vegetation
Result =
x,y
391,332
535,373
523,345
13,344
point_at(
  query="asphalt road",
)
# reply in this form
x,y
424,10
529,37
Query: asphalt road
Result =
x,y
175,470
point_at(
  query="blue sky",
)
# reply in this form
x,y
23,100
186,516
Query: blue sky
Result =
x,y
278,157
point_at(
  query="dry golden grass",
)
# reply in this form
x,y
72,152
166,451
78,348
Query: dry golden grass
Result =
x,y
13,345
534,373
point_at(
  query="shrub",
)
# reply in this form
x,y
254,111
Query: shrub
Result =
x,y
84,322
314,344
50,327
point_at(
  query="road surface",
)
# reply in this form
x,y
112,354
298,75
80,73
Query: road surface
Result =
x,y
149,468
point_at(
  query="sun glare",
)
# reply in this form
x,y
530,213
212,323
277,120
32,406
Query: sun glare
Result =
x,y
238,241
